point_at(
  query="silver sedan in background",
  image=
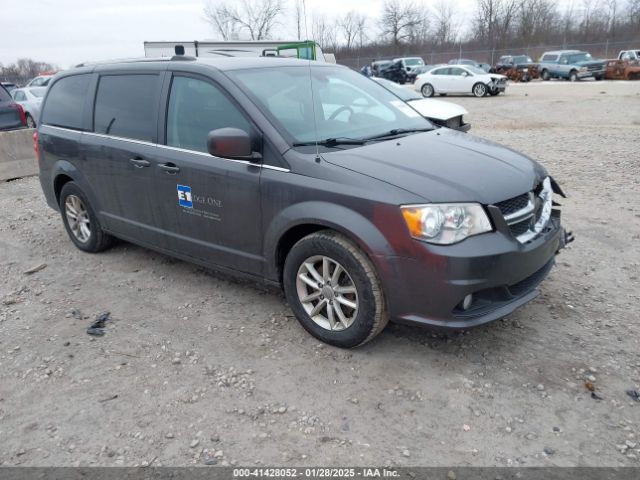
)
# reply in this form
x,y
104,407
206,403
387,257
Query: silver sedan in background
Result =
x,y
30,99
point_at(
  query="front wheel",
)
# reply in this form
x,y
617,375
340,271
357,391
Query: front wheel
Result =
x,y
333,290
573,76
479,90
427,90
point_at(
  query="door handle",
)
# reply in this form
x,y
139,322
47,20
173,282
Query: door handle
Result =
x,y
170,168
139,162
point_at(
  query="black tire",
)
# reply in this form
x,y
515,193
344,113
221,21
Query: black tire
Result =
x,y
598,78
427,90
545,75
371,316
479,90
573,76
98,240
31,123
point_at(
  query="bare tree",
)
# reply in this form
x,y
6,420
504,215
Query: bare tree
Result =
x,y
351,26
257,17
218,17
494,20
446,28
400,21
298,17
324,32
633,12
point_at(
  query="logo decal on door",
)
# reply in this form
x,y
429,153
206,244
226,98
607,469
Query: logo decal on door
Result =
x,y
184,196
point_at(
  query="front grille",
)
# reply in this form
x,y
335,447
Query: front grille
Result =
x,y
531,282
519,228
523,212
593,68
507,207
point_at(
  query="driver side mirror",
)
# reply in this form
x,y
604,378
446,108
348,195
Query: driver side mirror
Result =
x,y
232,143
465,74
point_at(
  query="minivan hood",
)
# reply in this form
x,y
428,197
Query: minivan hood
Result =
x,y
445,166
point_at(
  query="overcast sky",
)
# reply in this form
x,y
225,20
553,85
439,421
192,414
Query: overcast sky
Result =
x,y
67,32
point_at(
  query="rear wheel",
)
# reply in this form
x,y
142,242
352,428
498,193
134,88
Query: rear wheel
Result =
x,y
333,290
479,89
80,220
427,90
545,75
31,123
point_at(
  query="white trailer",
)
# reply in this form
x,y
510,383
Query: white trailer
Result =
x,y
259,48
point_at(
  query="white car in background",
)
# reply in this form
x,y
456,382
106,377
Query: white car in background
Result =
x,y
445,114
30,99
460,79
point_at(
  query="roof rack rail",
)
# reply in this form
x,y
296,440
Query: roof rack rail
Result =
x,y
133,60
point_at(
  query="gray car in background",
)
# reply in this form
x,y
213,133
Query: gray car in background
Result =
x,y
30,99
11,113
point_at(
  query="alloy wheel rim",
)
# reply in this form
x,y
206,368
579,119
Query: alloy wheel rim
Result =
x,y
479,90
327,293
77,218
427,90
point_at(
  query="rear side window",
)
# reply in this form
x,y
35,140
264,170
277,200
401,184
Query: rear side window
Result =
x,y
126,105
549,58
65,103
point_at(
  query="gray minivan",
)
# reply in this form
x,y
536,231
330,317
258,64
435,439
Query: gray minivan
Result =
x,y
304,175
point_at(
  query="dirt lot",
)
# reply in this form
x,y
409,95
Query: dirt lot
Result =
x,y
197,368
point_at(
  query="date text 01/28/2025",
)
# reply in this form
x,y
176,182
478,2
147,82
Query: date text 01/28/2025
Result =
x,y
315,473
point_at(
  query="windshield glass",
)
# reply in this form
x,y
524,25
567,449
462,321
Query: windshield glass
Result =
x,y
413,61
580,57
404,93
343,104
476,70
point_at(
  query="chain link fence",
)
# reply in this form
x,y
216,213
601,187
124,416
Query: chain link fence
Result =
x,y
602,50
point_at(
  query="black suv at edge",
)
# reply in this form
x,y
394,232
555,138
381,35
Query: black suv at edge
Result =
x,y
301,174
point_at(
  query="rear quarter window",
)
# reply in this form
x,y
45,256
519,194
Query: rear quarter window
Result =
x,y
126,106
549,58
64,106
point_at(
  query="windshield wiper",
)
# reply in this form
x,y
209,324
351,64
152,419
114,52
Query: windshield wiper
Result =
x,y
397,131
332,142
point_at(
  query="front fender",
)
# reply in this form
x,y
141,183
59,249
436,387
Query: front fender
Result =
x,y
336,217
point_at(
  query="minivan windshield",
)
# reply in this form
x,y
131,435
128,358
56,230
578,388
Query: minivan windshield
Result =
x,y
343,104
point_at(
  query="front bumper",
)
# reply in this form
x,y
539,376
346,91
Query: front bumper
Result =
x,y
495,268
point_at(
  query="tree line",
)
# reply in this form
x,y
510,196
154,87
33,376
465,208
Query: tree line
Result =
x,y
24,70
403,26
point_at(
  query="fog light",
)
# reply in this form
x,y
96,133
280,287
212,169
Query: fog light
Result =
x,y
466,303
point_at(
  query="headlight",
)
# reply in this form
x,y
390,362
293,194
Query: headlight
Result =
x,y
583,69
445,223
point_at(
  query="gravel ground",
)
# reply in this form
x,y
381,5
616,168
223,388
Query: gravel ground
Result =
x,y
198,368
